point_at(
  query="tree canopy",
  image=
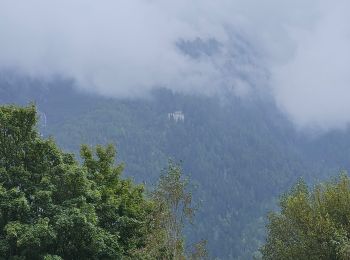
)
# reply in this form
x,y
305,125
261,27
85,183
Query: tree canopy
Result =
x,y
53,207
312,224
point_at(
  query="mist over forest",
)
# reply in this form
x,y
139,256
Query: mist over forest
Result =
x,y
248,97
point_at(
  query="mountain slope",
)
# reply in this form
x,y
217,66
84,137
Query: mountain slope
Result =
x,y
240,153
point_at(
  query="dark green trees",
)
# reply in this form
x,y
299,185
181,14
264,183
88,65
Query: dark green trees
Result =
x,y
312,224
52,207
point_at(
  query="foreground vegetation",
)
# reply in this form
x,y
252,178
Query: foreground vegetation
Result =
x,y
311,224
53,207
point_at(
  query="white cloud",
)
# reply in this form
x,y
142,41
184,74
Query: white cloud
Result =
x,y
313,86
113,47
126,47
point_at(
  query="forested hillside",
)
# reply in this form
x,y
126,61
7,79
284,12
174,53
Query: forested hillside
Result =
x,y
240,152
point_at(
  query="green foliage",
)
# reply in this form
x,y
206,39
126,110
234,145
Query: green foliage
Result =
x,y
51,207
312,224
173,195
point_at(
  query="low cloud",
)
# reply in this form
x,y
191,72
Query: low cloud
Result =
x,y
296,50
313,85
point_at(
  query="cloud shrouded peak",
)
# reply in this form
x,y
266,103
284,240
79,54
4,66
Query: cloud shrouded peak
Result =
x,y
299,49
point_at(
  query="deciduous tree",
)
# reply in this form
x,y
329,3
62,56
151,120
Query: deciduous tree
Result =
x,y
312,224
52,207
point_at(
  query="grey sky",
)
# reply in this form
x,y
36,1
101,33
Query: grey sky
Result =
x,y
297,50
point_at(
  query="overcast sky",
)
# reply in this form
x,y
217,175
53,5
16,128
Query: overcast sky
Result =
x,y
297,50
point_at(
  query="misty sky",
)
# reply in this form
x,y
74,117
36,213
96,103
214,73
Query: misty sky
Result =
x,y
297,50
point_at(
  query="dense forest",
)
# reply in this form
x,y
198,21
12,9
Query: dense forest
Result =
x,y
53,207
240,153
